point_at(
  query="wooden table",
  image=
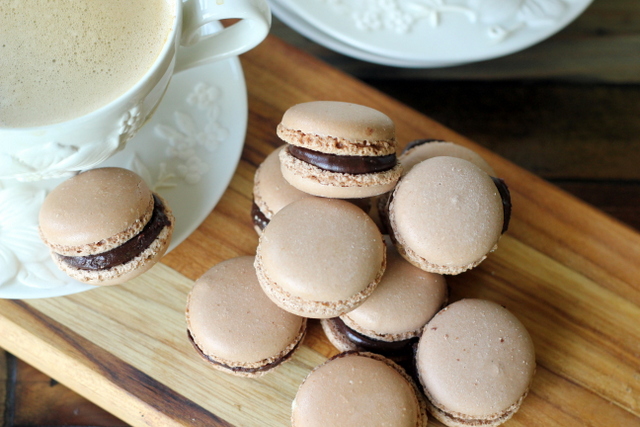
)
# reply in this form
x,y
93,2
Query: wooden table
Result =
x,y
568,271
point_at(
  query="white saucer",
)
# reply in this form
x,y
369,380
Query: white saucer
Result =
x,y
427,33
187,152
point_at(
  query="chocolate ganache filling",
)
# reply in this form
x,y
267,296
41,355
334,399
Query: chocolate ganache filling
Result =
x,y
506,201
385,348
260,220
128,250
344,164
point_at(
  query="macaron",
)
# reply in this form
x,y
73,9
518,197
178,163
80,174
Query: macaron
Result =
x,y
234,326
320,257
271,192
475,361
338,150
446,214
419,150
390,321
358,389
422,149
105,226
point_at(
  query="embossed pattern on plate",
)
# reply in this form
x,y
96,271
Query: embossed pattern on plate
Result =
x,y
428,33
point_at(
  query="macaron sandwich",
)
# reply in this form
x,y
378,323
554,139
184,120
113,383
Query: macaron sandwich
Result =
x,y
358,389
475,361
420,150
339,150
234,326
105,226
446,214
320,257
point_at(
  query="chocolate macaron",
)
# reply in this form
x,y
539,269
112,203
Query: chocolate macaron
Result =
x,y
390,321
271,192
338,150
234,326
358,389
475,361
320,257
446,214
105,226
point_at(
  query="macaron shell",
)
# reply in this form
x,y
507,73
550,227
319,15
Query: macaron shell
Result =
x,y
319,182
232,321
406,298
338,128
95,211
412,156
271,192
475,361
446,215
358,389
320,257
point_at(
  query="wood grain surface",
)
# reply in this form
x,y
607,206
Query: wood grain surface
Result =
x,y
568,271
3,384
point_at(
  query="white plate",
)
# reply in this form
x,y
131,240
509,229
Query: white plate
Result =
x,y
313,33
430,33
187,152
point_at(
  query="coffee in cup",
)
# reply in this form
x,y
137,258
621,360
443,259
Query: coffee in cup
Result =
x,y
63,59
78,82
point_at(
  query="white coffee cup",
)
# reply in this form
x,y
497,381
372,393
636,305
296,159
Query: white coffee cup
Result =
x,y
59,149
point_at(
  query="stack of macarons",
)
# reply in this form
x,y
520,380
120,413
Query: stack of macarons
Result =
x,y
373,271
439,201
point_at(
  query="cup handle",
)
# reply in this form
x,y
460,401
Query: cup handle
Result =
x,y
199,46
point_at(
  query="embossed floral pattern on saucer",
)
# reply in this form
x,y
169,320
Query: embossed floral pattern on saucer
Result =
x,y
438,32
187,152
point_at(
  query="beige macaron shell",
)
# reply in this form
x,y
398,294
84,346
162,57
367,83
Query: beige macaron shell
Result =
x,y
475,360
321,250
319,182
233,321
404,301
448,212
338,128
95,211
354,391
425,151
271,191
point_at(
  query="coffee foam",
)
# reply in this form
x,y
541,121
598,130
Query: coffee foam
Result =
x,y
60,59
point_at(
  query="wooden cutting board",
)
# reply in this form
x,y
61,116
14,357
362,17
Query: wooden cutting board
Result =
x,y
570,273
